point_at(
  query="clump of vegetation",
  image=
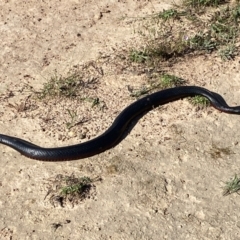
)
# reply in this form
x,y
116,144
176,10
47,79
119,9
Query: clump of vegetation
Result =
x,y
139,92
167,81
69,86
79,186
169,14
73,83
70,189
232,186
62,86
199,101
175,33
138,56
228,53
160,81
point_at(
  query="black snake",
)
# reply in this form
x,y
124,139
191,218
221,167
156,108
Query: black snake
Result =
x,y
114,134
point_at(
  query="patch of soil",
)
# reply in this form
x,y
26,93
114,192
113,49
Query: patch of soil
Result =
x,y
164,181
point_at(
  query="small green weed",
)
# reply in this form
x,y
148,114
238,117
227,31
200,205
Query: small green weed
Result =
x,y
70,189
169,14
62,86
73,83
202,41
200,101
139,92
138,56
96,102
76,185
160,82
73,116
228,53
168,81
232,186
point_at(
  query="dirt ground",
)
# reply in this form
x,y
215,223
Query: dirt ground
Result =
x,y
163,181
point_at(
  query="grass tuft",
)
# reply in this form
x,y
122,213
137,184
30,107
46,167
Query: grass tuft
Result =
x,y
173,33
59,86
232,186
70,189
200,101
167,81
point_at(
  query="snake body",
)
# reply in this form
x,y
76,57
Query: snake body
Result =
x,y
113,135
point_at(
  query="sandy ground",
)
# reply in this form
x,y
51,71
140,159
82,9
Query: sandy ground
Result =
x,y
164,181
